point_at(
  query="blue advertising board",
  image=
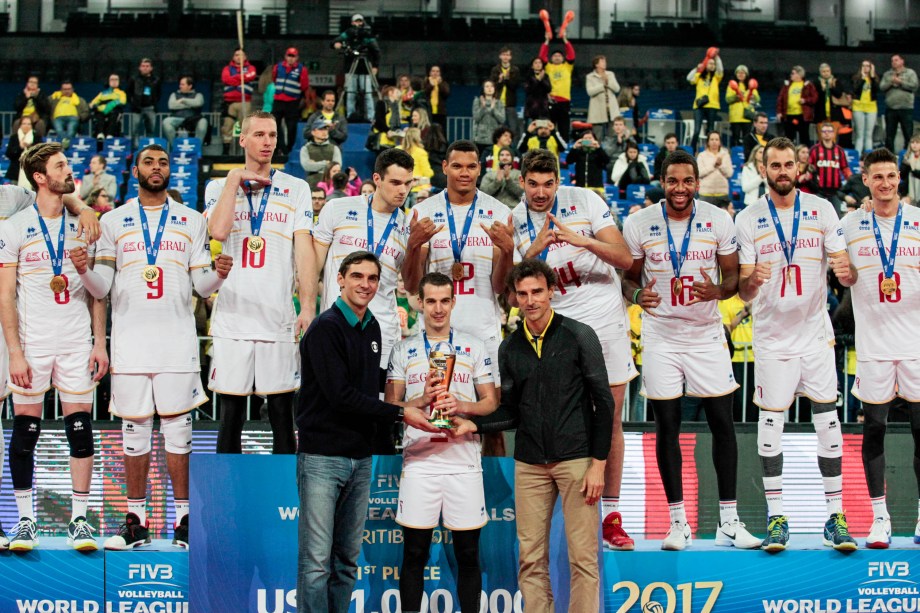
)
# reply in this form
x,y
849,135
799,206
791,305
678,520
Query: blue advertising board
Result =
x,y
150,580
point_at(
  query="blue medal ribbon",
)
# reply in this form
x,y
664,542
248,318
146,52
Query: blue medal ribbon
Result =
x,y
677,259
788,248
888,257
456,244
153,249
255,218
377,248
428,345
533,232
57,257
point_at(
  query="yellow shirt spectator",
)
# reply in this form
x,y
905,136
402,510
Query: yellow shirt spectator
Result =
x,y
743,331
635,332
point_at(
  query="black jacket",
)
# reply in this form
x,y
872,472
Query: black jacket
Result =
x,y
338,408
42,105
589,165
750,141
560,403
144,91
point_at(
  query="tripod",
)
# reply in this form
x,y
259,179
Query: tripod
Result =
x,y
351,87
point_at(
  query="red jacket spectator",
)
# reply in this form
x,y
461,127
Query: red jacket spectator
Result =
x,y
292,77
809,99
231,79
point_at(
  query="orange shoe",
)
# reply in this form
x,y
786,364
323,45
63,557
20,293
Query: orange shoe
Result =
x,y
615,537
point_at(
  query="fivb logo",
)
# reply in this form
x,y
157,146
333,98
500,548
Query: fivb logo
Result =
x,y
889,569
150,572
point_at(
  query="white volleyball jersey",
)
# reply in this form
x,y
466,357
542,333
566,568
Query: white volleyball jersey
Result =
x,y
677,325
588,289
790,310
343,227
256,301
477,312
14,199
49,323
887,327
153,324
436,454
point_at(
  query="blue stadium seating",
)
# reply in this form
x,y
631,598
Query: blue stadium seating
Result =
x,y
635,194
81,144
151,140
189,145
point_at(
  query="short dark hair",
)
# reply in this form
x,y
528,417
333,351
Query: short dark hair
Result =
x,y
539,160
390,157
504,50
670,135
779,143
150,147
326,92
497,133
596,59
339,180
679,156
101,159
761,115
531,267
436,279
35,159
188,77
66,82
879,156
356,257
465,146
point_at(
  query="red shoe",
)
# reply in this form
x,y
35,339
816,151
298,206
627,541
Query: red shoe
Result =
x,y
615,537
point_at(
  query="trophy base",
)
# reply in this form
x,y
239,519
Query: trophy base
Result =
x,y
442,423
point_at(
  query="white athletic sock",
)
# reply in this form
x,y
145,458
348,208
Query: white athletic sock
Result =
x,y
880,508
677,512
181,509
138,506
609,504
24,503
833,494
728,511
773,489
80,501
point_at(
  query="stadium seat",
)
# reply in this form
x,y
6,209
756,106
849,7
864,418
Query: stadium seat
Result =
x,y
852,159
187,174
649,150
299,138
181,158
189,145
82,144
635,194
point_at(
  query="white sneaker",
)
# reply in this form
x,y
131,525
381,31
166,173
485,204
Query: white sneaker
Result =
x,y
880,534
734,534
678,537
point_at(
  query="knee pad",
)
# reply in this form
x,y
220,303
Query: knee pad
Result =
x,y
79,429
135,436
25,435
770,433
177,433
830,438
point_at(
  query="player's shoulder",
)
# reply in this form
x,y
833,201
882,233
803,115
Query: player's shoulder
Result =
x,y
408,346
645,216
707,209
857,220
430,207
519,213
755,211
283,180
127,212
499,210
579,196
470,343
813,202
25,217
910,212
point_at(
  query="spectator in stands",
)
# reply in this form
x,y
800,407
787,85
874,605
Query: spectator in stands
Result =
x,y
795,106
24,137
31,103
537,87
899,85
488,114
358,41
806,174
318,195
353,187
910,171
501,138
434,142
559,69
753,183
541,134
833,105
143,94
865,106
629,101
507,77
423,172
631,168
758,136
292,82
406,97
386,132
316,154
339,183
602,87
68,110
338,125
100,201
706,76
185,107
615,142
831,161
504,182
742,99
854,192
736,317
670,146
368,188
436,91
98,178
108,107
715,164
332,169
237,77
589,161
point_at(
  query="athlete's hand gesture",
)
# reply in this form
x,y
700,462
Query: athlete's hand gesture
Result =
x,y
545,238
705,290
502,235
762,273
421,231
222,264
648,298
568,235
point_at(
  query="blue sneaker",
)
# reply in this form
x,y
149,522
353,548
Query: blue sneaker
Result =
x,y
777,534
837,535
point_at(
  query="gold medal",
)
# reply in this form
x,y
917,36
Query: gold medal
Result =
x,y
58,284
456,271
888,286
256,244
677,288
151,273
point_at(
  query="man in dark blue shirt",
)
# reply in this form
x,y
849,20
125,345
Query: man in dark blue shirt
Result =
x,y
338,411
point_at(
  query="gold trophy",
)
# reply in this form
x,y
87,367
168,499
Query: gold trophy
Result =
x,y
441,359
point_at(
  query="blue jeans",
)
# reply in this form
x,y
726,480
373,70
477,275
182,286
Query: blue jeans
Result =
x,y
333,505
171,126
66,127
146,119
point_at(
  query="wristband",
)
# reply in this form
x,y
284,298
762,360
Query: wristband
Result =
x,y
636,296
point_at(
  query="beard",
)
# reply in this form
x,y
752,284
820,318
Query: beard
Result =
x,y
782,190
67,186
145,183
